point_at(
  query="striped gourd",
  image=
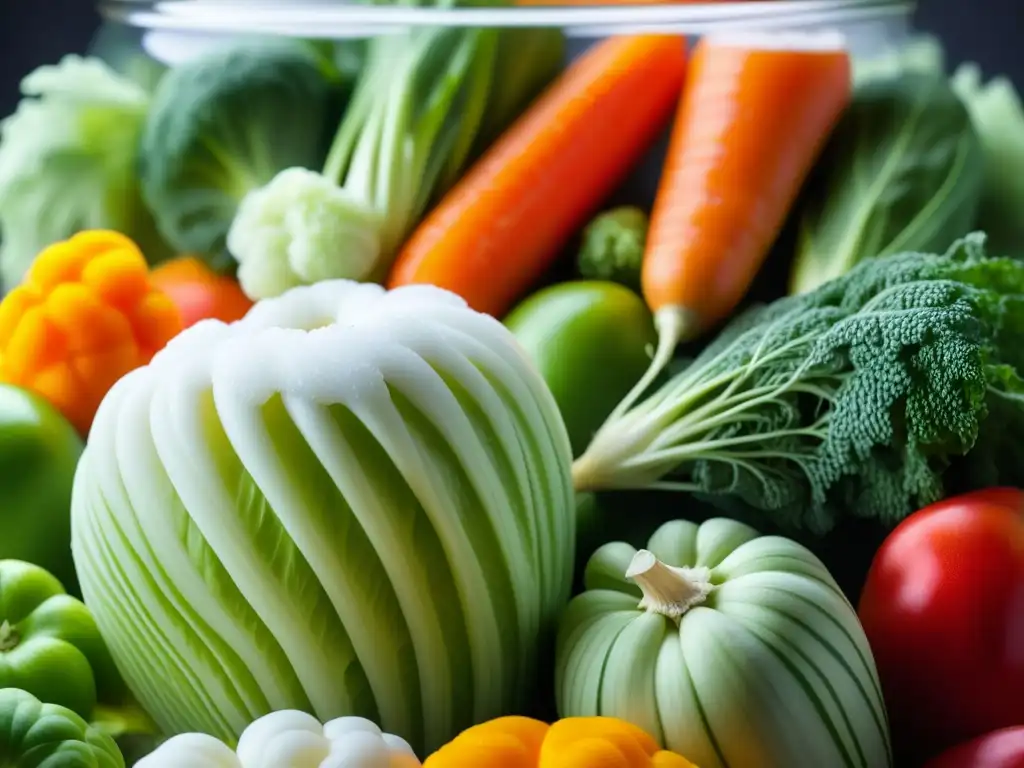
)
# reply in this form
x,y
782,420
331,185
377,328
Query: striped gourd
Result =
x,y
734,649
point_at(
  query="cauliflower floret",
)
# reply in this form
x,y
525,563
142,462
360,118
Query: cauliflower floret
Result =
x,y
300,229
289,739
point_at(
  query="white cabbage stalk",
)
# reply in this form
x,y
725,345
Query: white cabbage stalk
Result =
x,y
289,739
728,647
351,502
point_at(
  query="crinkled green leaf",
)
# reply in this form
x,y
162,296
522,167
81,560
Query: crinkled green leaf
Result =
x,y
852,399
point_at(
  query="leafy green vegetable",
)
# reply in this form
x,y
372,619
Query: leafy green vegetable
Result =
x,y
852,398
225,124
613,246
903,172
998,115
67,162
410,125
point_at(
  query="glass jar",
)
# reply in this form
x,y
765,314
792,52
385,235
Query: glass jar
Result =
x,y
144,37
172,31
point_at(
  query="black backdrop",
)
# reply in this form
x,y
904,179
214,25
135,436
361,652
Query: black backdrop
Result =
x,y
40,31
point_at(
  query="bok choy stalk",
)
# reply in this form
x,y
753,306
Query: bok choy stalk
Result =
x,y
904,171
998,115
408,131
997,112
351,502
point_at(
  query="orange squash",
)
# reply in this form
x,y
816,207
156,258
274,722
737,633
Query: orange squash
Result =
x,y
575,742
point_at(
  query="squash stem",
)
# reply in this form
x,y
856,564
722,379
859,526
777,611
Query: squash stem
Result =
x,y
667,590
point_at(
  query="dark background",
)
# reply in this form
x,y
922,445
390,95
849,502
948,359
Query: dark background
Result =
x,y
41,31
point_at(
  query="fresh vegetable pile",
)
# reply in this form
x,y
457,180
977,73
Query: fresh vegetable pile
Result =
x,y
357,411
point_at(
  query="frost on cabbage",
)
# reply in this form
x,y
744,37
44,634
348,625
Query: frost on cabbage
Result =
x,y
352,502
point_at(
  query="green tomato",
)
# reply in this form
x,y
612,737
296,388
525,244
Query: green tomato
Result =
x,y
49,643
39,452
591,342
37,735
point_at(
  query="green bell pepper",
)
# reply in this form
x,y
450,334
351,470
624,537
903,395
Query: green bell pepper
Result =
x,y
37,735
49,643
39,451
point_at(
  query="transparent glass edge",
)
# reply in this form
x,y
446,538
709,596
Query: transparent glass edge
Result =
x,y
333,19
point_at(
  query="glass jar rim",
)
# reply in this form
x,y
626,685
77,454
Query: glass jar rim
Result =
x,y
343,18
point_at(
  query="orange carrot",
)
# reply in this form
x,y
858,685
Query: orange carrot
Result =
x,y
756,112
502,225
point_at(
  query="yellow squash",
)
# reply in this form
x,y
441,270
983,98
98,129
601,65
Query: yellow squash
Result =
x,y
575,742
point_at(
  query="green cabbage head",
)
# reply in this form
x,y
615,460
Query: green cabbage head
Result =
x,y
351,502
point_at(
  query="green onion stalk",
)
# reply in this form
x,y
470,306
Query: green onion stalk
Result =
x,y
427,102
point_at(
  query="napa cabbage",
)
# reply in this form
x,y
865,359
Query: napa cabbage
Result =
x,y
352,502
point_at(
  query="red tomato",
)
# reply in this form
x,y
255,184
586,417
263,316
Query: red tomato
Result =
x,y
1002,749
943,608
199,292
